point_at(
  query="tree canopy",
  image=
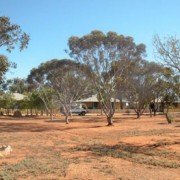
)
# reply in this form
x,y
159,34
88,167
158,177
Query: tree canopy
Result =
x,y
66,80
102,54
10,36
168,51
4,64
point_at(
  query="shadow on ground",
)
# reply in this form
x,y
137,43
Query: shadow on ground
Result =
x,y
147,154
35,127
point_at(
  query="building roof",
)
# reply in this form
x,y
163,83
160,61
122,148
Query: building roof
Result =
x,y
93,98
160,99
17,96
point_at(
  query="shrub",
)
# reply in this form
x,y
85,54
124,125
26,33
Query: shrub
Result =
x,y
169,118
17,114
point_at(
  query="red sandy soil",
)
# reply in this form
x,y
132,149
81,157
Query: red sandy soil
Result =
x,y
145,148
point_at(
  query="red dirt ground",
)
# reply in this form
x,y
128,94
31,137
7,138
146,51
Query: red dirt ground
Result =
x,y
145,148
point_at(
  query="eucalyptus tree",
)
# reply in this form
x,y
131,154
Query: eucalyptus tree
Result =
x,y
169,90
101,53
7,102
37,82
141,83
65,78
168,51
17,85
32,101
4,64
48,97
10,36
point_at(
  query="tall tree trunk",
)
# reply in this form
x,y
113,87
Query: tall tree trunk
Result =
x,y
36,111
27,112
52,117
31,112
150,111
67,118
138,114
51,114
121,103
154,112
8,112
101,107
169,120
47,112
41,112
156,109
110,121
163,107
101,111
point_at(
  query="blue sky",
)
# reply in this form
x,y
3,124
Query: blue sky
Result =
x,y
51,22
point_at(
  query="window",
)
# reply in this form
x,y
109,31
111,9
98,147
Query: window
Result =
x,y
95,105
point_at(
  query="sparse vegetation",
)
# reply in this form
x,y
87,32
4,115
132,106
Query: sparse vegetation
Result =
x,y
135,154
33,167
103,72
53,151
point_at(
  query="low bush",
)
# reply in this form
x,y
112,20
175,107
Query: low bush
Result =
x,y
169,118
17,114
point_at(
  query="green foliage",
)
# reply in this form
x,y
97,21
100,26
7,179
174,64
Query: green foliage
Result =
x,y
34,166
45,97
16,85
103,54
168,51
7,102
59,83
4,65
169,118
139,85
168,87
11,35
31,101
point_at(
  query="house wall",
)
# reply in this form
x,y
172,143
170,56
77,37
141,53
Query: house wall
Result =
x,y
97,105
176,105
92,105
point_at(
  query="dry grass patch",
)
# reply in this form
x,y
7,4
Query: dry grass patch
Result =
x,y
88,149
148,155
